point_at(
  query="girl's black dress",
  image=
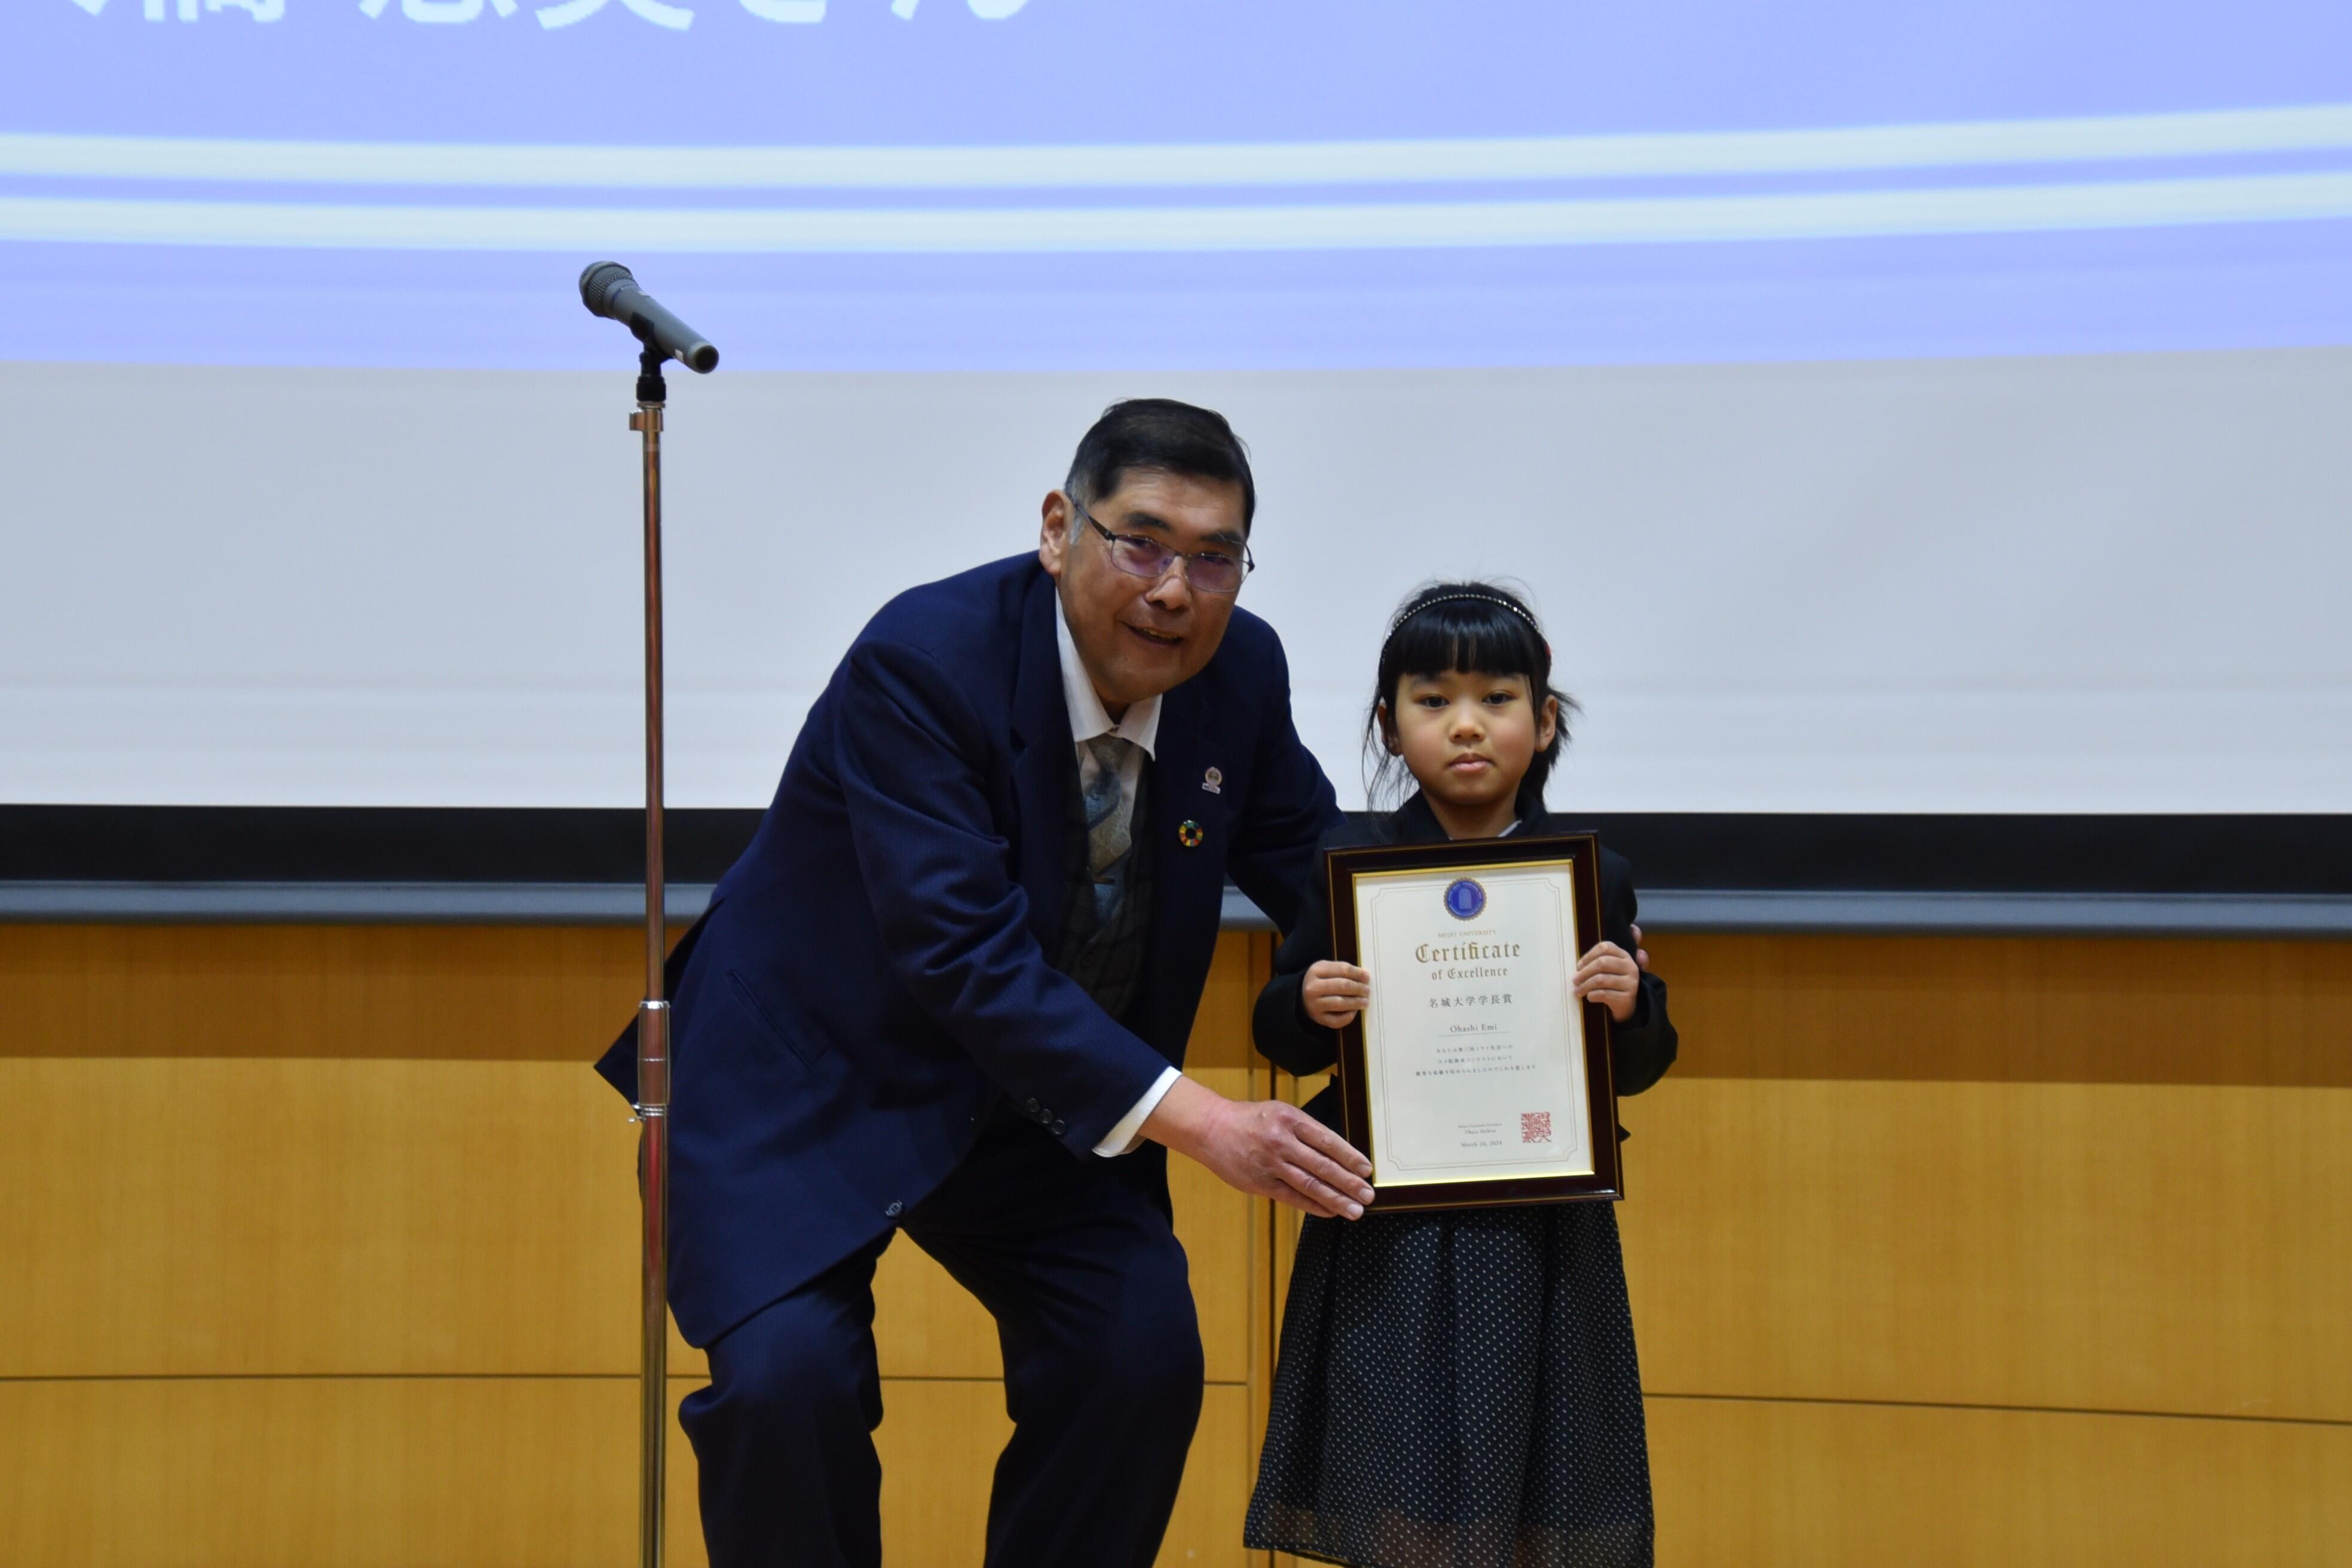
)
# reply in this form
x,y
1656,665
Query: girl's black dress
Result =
x,y
1458,1389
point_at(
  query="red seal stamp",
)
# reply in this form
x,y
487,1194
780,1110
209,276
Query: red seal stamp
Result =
x,y
1535,1126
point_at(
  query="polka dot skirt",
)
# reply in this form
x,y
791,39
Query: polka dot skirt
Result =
x,y
1458,1390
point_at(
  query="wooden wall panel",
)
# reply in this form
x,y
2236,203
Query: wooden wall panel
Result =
x,y
1222,1231
2013,1009
1764,1484
1920,1272
2016,1009
1817,1007
456,1472
333,1218
469,993
1206,1527
2159,1248
300,1472
415,992
927,1325
315,1217
938,1444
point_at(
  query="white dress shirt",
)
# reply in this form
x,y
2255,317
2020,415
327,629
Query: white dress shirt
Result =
x,y
1140,724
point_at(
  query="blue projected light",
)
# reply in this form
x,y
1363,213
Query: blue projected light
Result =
x,y
1042,183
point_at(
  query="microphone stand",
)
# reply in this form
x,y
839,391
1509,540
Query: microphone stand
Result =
x,y
653,1013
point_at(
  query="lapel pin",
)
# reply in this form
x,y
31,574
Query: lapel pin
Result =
x,y
1190,835
1214,781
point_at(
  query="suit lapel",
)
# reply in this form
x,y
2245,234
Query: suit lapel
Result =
x,y
1043,760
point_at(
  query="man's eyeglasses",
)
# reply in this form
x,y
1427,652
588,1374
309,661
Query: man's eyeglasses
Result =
x,y
1210,571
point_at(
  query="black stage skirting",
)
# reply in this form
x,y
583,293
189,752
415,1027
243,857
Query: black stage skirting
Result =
x,y
2221,875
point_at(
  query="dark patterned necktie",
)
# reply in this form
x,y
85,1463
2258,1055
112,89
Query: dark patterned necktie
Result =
x,y
1110,815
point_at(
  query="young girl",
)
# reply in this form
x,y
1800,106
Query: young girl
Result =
x,y
1457,1388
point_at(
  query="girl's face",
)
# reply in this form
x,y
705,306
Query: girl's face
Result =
x,y
1468,737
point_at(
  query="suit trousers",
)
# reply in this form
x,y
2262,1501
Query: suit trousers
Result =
x,y
1102,1374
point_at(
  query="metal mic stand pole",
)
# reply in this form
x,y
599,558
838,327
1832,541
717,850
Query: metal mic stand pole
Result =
x,y
653,1013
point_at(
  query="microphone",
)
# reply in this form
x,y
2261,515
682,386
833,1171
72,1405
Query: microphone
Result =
x,y
610,289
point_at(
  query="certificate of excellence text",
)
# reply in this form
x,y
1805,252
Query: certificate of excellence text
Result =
x,y
1474,1044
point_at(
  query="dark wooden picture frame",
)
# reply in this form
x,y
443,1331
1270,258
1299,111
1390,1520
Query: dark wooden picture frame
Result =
x,y
1468,857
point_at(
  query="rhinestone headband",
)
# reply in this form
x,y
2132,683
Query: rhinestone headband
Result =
x,y
1397,625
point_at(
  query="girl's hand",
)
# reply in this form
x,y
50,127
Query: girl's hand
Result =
x,y
1334,993
1608,974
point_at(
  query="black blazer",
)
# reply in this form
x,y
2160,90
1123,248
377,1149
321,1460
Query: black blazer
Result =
x,y
1642,1048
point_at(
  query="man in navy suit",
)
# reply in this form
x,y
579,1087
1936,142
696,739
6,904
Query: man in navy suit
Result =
x,y
947,991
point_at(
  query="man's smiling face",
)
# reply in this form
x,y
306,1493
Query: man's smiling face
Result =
x,y
1140,637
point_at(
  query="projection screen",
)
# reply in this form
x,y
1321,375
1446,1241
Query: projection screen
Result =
x,y
1891,408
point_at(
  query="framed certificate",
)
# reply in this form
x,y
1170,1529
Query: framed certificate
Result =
x,y
1474,1075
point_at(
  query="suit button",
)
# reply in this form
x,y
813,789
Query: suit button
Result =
x,y
1060,1127
1033,1108
893,1211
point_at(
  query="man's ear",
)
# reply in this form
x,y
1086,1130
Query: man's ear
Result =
x,y
1053,534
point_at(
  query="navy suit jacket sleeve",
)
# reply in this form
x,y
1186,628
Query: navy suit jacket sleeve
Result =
x,y
953,922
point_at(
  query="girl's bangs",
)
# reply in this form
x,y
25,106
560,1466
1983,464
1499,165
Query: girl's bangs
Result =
x,y
1467,636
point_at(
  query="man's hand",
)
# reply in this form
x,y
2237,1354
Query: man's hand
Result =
x,y
1265,1148
1608,974
1334,993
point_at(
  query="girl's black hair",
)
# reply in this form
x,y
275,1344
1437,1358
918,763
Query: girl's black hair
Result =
x,y
1480,627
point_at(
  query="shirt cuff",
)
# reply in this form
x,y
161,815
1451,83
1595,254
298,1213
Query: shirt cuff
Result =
x,y
1127,1131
